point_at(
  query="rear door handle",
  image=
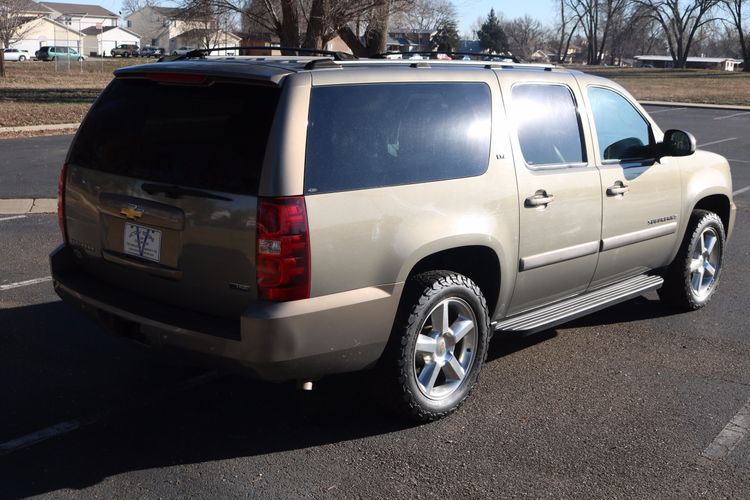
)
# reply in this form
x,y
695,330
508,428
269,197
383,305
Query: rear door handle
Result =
x,y
540,199
619,188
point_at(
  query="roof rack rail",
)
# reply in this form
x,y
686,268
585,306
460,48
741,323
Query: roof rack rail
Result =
x,y
336,55
481,55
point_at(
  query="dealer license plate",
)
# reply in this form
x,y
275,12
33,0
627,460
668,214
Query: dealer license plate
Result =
x,y
143,242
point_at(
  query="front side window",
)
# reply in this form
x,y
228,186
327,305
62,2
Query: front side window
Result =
x,y
547,124
621,131
368,136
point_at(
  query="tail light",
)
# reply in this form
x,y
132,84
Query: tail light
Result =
x,y
283,249
61,203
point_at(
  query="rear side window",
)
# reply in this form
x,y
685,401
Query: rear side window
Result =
x,y
547,125
368,136
210,137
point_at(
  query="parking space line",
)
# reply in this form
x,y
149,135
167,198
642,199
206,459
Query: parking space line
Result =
x,y
734,432
717,142
68,426
665,110
737,161
19,284
740,191
732,116
3,219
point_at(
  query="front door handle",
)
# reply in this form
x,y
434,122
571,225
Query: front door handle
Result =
x,y
540,199
618,189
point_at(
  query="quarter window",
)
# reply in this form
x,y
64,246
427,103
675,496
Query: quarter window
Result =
x,y
547,124
621,131
368,136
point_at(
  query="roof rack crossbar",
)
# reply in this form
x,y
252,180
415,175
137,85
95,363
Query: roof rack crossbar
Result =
x,y
336,55
384,55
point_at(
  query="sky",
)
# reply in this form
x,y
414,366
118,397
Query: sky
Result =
x,y
468,10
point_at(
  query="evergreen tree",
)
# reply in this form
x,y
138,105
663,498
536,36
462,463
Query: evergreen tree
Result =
x,y
491,35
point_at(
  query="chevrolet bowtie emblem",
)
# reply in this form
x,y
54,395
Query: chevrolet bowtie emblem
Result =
x,y
131,212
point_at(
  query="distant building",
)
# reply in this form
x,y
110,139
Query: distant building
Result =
x,y
80,16
719,63
406,40
171,28
102,41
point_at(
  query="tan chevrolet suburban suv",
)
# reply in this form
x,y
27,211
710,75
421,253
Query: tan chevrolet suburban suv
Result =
x,y
304,216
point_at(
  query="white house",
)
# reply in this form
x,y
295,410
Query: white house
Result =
x,y
169,28
43,31
80,16
102,41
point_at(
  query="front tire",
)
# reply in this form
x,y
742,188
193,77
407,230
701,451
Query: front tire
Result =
x,y
691,279
21,58
438,344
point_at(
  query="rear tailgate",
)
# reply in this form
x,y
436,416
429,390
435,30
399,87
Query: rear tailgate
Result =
x,y
162,186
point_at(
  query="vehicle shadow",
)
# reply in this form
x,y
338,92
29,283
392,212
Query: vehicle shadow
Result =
x,y
134,415
57,366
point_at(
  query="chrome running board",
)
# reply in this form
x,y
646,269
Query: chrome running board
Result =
x,y
580,305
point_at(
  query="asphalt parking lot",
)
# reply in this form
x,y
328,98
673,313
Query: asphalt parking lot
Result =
x,y
630,402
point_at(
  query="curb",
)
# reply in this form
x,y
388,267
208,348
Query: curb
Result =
x,y
670,104
28,206
40,128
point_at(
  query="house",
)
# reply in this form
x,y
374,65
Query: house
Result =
x,y
101,41
408,40
718,63
170,28
80,16
38,32
208,38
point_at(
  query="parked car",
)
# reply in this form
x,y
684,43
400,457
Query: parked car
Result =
x,y
152,52
16,54
182,51
298,221
125,50
51,53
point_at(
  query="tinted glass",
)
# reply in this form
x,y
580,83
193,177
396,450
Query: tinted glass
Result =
x,y
547,124
366,136
206,137
621,131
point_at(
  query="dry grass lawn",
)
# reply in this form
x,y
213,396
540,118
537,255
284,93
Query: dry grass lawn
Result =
x,y
37,93
687,85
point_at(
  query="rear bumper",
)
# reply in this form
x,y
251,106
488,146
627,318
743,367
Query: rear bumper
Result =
x,y
275,341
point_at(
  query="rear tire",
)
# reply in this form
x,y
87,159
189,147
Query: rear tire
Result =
x,y
438,345
21,58
691,280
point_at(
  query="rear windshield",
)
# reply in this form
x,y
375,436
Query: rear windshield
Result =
x,y
211,137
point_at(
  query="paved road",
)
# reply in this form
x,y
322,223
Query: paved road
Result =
x,y
29,168
619,404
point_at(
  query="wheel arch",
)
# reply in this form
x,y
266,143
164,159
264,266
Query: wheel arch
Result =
x,y
718,204
480,263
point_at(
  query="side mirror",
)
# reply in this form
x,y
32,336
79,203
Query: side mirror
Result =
x,y
677,143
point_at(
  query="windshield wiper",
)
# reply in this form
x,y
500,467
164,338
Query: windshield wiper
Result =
x,y
172,191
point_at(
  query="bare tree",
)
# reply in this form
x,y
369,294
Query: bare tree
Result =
x,y
525,35
131,6
596,19
680,20
14,24
425,15
313,23
566,29
738,19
